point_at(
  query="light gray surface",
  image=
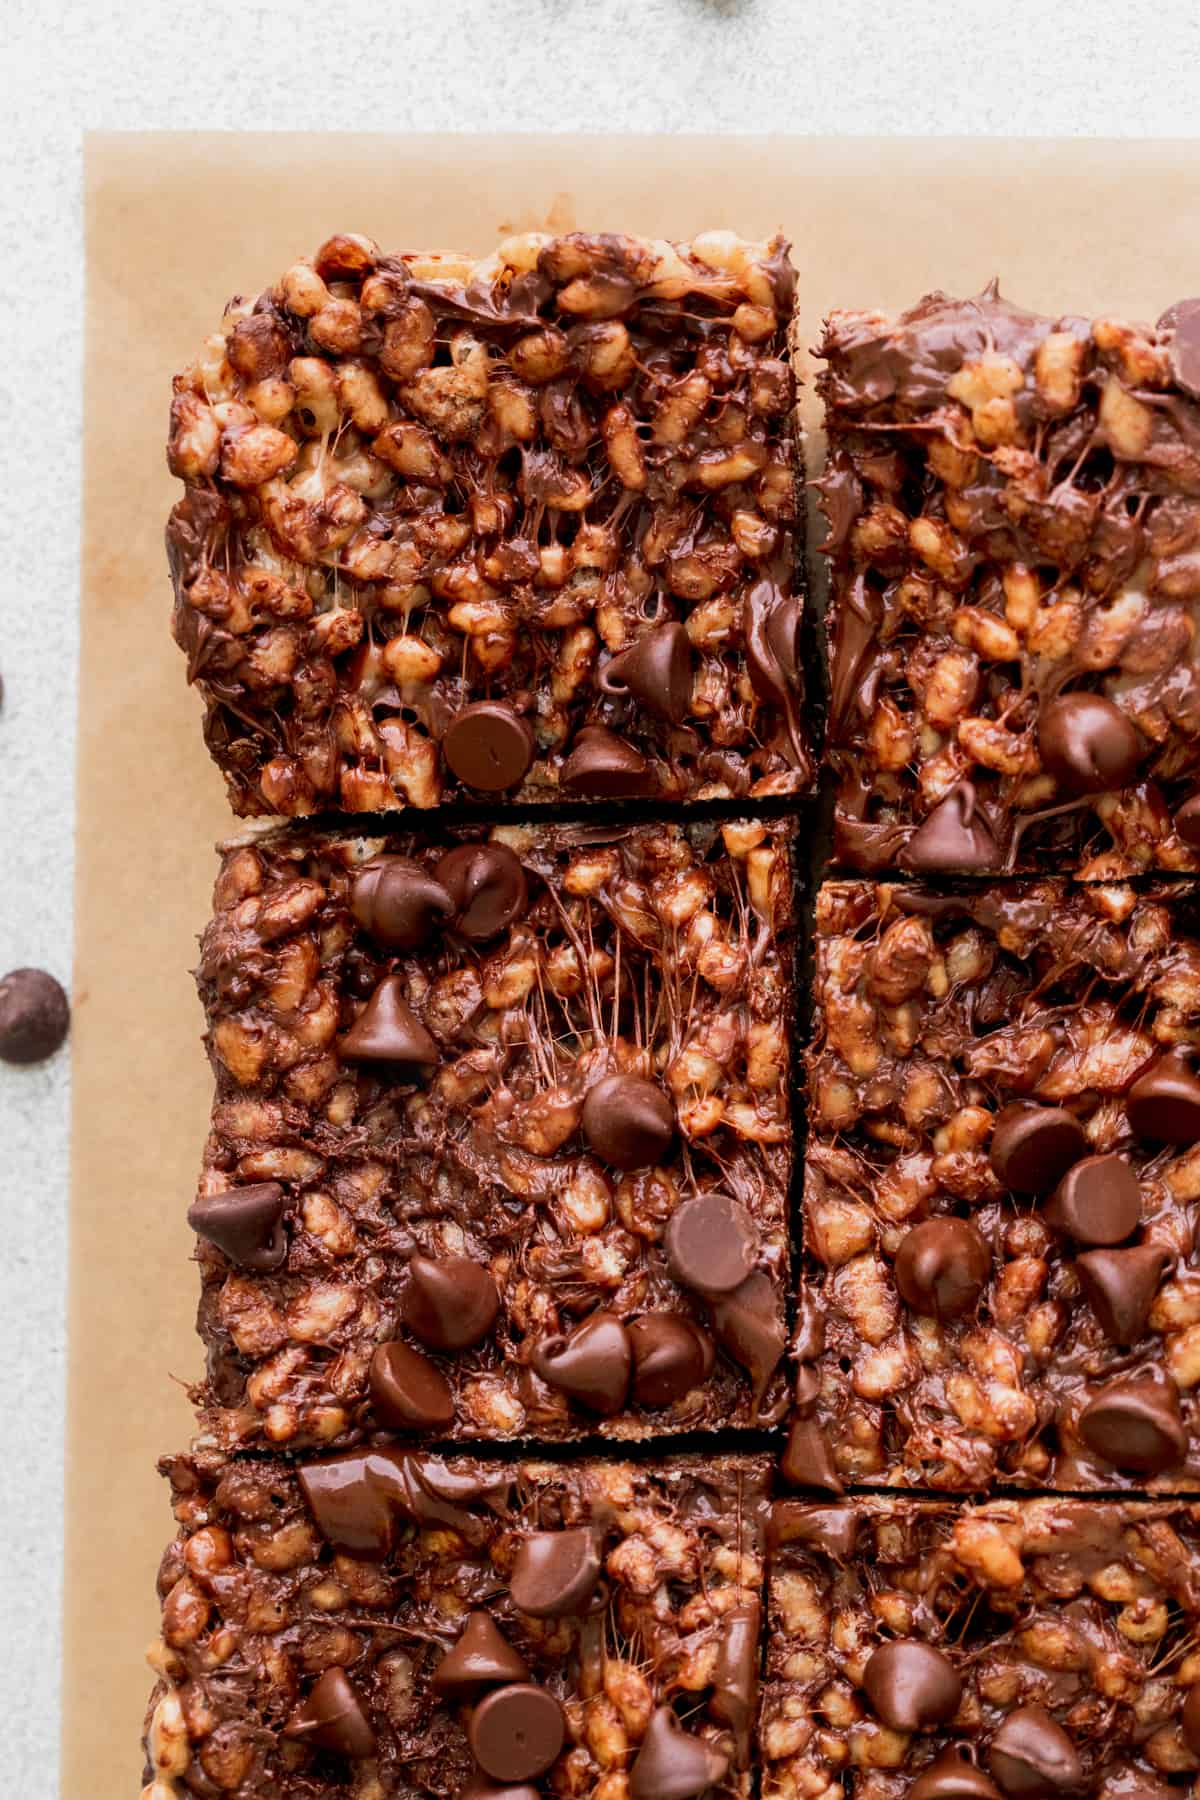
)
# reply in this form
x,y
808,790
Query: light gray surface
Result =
x,y
1017,68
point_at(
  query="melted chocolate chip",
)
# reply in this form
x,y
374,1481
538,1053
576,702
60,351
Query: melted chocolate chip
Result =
x,y
408,1393
711,1243
955,837
1034,1146
354,1499
592,1365
942,1267
911,1684
397,903
735,1676
35,1015
656,671
807,1459
628,1121
245,1223
555,1573
954,1775
671,1356
487,886
1189,1720
833,1530
482,1657
333,1718
1187,822
1088,744
1120,1285
1098,1201
481,1787
748,1327
1182,322
1032,1757
1135,1424
516,1732
387,1030
449,1303
489,746
601,763
1163,1104
672,1764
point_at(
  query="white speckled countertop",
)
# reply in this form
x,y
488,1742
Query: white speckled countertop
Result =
x,y
996,67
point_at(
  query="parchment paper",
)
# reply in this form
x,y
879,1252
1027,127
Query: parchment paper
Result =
x,y
175,225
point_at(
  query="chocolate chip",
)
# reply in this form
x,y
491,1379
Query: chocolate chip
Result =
x,y
1032,1757
489,746
591,1365
735,1676
245,1223
1135,1425
333,1718
672,1764
555,1573
1164,1103
671,1356
602,763
397,903
1088,744
1034,1146
711,1243
656,671
807,1459
954,1775
516,1732
408,1392
955,836
628,1121
1098,1201
1189,1720
482,1787
353,1499
833,1530
482,1657
911,1684
387,1030
1120,1286
808,1336
34,1015
487,885
748,1327
449,1303
1187,821
1182,322
942,1267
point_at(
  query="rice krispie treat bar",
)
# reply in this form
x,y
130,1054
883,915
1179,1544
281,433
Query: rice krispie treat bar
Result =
x,y
520,527
1014,535
388,1624
501,1139
1002,1279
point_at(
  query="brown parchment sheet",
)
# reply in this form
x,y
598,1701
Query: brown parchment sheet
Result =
x,y
176,224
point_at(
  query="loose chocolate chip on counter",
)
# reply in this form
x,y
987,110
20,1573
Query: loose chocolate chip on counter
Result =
x,y
748,1327
1120,1285
353,1499
450,1303
735,1676
1032,1757
487,885
332,1717
954,1775
1164,1103
711,1243
35,1015
482,1657
911,1684
672,1764
1187,821
516,1732
397,903
1088,744
603,764
671,1356
955,837
489,746
1034,1146
245,1223
591,1365
387,1030
807,1460
942,1267
408,1392
555,1573
1183,322
1098,1201
1135,1424
1189,1719
628,1121
656,671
